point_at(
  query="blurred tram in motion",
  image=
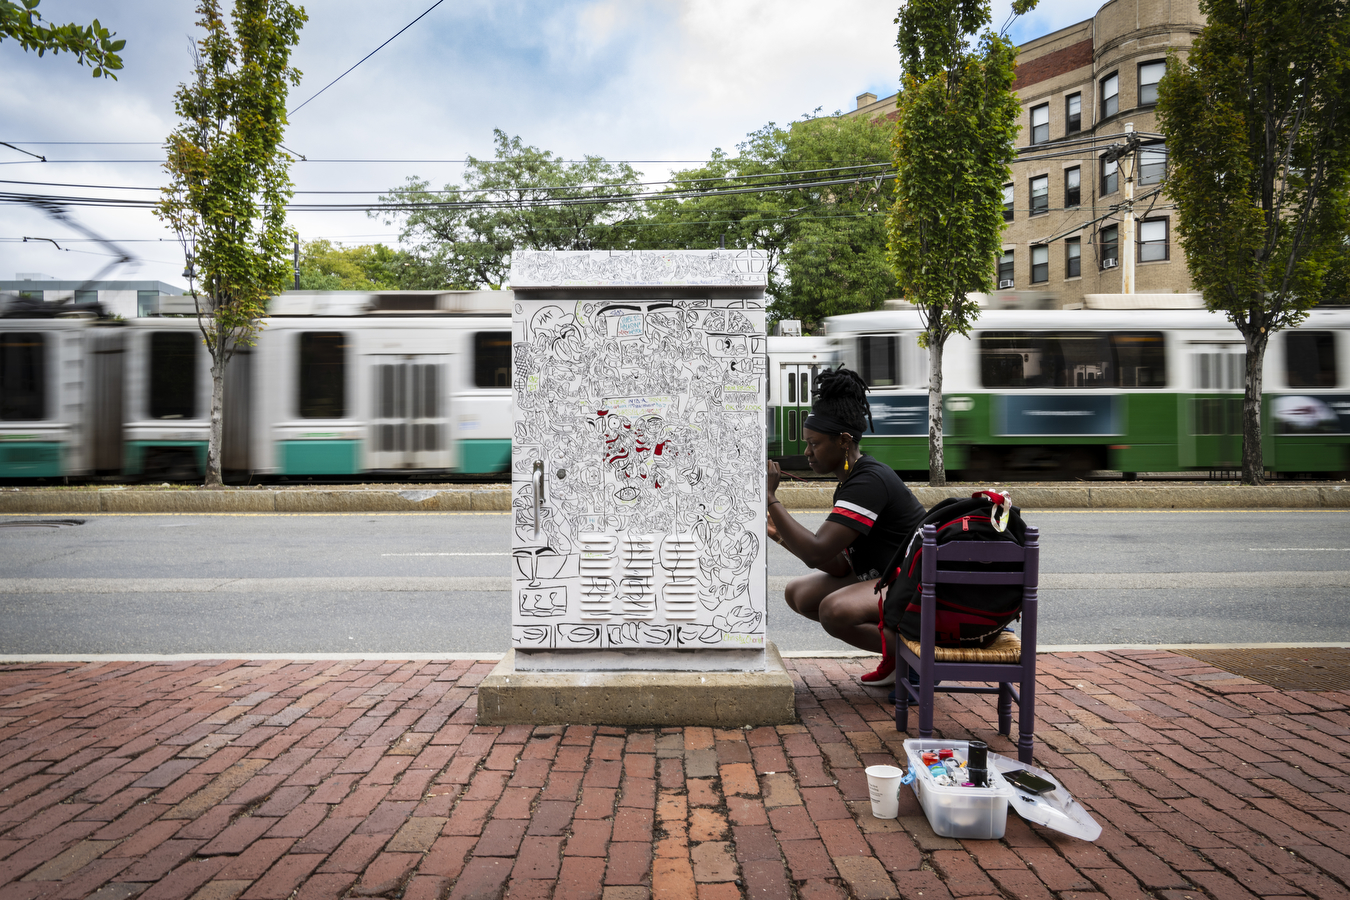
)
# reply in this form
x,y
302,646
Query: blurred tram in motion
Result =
x,y
349,385
338,384
1059,393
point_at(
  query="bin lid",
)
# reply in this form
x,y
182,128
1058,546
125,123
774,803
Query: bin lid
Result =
x,y
1056,809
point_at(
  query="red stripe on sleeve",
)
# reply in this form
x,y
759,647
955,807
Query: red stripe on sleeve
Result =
x,y
840,511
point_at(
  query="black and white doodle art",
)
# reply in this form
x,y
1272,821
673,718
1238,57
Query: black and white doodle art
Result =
x,y
638,464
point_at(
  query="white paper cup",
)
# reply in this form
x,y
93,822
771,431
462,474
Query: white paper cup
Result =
x,y
883,786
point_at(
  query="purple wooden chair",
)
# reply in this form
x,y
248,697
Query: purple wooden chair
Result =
x,y
1008,662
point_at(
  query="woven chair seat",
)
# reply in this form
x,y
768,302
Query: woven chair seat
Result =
x,y
1005,649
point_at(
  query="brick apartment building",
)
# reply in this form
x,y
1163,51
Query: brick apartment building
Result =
x,y
1084,91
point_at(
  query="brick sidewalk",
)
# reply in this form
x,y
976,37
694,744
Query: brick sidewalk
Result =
x,y
267,780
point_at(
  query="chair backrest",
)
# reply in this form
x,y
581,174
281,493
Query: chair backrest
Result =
x,y
950,562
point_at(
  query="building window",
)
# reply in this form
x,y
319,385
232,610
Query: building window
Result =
x,y
1040,264
1110,241
1310,359
1005,270
1152,164
1073,113
323,375
492,359
23,383
147,303
1040,123
1040,194
1110,95
1007,203
1110,176
1073,187
878,357
1152,240
1150,73
173,374
86,298
1073,258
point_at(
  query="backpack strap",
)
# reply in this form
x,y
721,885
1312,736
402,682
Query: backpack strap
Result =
x,y
1002,501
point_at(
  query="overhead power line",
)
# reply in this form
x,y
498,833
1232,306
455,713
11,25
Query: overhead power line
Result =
x,y
430,191
366,57
542,202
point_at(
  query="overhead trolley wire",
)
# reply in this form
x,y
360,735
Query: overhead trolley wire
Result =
x,y
429,191
366,57
542,202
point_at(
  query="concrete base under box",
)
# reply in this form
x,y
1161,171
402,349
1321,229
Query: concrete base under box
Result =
x,y
511,696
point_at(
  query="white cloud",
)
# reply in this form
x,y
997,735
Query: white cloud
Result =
x,y
627,79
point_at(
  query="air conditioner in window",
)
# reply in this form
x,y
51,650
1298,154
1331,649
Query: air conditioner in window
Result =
x,y
1005,284
1108,264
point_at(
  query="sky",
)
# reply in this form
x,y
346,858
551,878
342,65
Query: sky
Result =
x,y
659,84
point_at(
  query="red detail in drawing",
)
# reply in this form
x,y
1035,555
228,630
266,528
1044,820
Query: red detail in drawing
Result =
x,y
661,446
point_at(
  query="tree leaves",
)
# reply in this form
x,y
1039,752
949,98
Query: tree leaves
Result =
x,y
1257,122
229,176
92,44
524,198
954,144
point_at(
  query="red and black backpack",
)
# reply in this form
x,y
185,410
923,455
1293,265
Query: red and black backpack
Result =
x,y
968,615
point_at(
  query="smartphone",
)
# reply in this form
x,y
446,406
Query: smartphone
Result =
x,y
1032,784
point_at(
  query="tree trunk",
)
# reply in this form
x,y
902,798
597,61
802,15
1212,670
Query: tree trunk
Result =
x,y
215,442
937,471
1253,459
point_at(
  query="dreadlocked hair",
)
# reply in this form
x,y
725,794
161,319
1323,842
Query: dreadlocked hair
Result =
x,y
842,394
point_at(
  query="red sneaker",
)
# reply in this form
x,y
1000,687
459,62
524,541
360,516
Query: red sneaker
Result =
x,y
882,675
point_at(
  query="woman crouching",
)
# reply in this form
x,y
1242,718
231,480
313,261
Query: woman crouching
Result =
x,y
873,513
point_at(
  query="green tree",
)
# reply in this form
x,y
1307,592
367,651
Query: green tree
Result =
x,y
525,198
705,207
229,180
836,257
824,238
1257,122
954,142
366,267
93,45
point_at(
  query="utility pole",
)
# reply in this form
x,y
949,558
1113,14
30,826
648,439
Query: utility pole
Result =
x,y
1127,165
297,264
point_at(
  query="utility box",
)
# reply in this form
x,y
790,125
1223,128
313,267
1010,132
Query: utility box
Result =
x,y
639,384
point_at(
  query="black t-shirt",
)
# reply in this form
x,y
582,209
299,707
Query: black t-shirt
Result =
x,y
874,502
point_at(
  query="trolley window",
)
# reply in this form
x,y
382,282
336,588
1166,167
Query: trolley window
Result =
x,y
323,375
1072,359
1310,358
23,383
173,375
879,357
492,359
1140,359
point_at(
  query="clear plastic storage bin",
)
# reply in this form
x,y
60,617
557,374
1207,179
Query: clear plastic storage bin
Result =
x,y
979,813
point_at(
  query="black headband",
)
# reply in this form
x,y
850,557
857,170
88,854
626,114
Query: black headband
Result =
x,y
823,424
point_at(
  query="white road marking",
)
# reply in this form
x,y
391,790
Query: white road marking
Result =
x,y
1050,581
1298,549
445,554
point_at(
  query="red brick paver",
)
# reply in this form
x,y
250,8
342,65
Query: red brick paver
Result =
x,y
238,780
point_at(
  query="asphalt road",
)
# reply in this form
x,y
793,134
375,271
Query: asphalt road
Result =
x,y
437,583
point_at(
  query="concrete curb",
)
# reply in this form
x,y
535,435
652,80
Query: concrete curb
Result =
x,y
497,498
251,500
810,496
